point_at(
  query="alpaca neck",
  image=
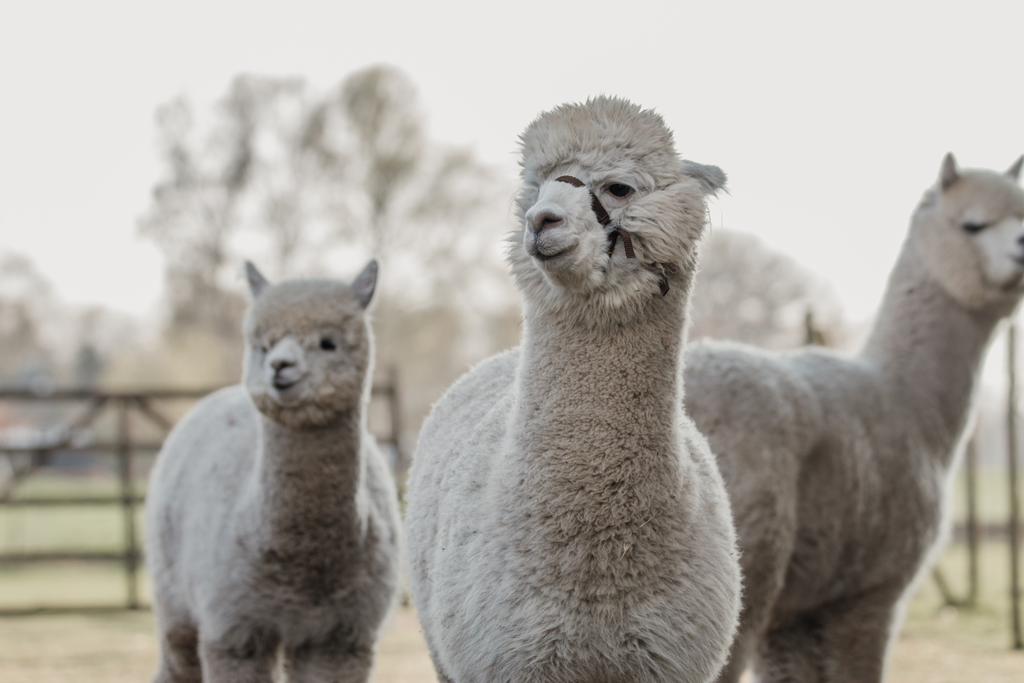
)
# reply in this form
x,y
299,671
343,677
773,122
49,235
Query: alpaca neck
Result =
x,y
596,419
308,486
928,347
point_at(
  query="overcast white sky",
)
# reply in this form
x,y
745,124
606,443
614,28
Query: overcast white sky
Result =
x,y
830,120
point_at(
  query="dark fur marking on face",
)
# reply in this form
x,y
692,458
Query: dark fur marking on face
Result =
x,y
605,220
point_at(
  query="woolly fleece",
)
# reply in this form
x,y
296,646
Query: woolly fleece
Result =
x,y
837,468
276,531
566,522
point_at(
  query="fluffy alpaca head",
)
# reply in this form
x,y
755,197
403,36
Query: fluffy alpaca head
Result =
x,y
970,231
624,156
308,347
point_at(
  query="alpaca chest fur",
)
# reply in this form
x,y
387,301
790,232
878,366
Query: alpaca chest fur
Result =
x,y
587,553
597,438
308,518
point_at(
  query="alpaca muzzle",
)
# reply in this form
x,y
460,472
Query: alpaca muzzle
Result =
x,y
605,220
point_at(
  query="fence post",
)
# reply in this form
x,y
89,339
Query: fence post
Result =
x,y
1011,436
395,408
124,452
971,481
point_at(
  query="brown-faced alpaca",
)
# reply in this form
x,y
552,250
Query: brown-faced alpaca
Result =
x,y
272,517
837,467
566,522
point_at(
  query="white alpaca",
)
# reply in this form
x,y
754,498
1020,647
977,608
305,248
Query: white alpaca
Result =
x,y
566,522
272,517
837,468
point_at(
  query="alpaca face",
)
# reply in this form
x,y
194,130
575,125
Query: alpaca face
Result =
x,y
308,349
563,256
565,239
1002,250
971,233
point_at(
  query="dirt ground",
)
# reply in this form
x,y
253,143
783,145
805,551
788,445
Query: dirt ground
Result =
x,y
121,648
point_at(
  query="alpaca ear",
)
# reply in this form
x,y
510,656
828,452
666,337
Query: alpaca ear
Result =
x,y
365,284
711,178
257,283
1014,171
948,175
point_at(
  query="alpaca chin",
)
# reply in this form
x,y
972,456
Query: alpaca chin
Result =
x,y
299,416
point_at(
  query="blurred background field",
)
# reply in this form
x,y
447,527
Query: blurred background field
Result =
x,y
939,643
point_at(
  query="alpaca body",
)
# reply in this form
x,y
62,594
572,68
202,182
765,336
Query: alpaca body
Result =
x,y
511,544
271,539
837,468
566,522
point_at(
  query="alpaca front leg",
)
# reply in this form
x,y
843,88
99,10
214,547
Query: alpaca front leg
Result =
x,y
790,655
179,656
252,663
330,663
765,524
855,638
845,642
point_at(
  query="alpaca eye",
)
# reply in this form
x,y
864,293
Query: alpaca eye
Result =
x,y
620,190
327,345
974,227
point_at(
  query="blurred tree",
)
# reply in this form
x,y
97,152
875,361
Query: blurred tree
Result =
x,y
749,293
26,303
194,211
44,342
309,172
100,336
308,179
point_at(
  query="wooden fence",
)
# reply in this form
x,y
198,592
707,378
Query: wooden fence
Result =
x,y
67,438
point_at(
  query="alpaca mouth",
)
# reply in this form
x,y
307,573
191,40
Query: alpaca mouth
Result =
x,y
282,383
543,250
541,256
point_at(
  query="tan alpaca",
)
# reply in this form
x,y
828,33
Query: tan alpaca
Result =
x,y
837,467
566,522
272,519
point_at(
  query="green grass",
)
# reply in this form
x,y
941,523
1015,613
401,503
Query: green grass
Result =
x,y
988,621
71,528
69,584
993,496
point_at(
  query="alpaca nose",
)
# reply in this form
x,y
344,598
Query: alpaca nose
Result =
x,y
285,359
280,364
285,366
543,219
